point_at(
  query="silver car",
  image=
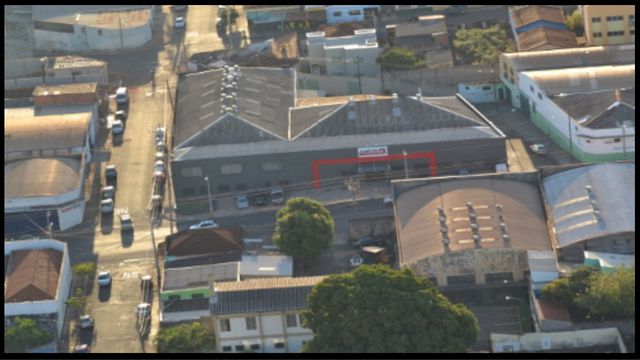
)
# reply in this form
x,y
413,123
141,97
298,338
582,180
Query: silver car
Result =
x,y
242,201
106,206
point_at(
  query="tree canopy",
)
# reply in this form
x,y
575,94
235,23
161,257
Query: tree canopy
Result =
x,y
574,22
23,335
304,228
399,58
597,294
185,338
481,46
377,309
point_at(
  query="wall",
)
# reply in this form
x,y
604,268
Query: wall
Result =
x,y
534,342
482,93
602,11
344,16
622,243
473,261
339,85
437,82
478,155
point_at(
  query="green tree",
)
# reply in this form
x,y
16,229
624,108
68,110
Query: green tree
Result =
x,y
399,58
23,335
481,46
610,295
575,23
233,16
185,338
85,271
377,309
566,290
304,229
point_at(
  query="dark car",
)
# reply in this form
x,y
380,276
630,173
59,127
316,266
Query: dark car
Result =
x,y
260,199
368,241
111,173
121,115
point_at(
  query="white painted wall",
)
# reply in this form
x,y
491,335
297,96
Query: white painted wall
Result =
x,y
86,38
558,118
338,54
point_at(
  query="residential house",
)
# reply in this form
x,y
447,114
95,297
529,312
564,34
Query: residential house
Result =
x,y
261,315
540,27
203,246
347,13
68,69
609,24
37,282
588,111
469,231
281,51
185,291
428,37
591,207
267,21
354,55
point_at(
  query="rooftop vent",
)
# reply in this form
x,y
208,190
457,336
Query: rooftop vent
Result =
x,y
499,207
597,214
440,209
588,188
474,227
507,239
476,240
443,219
470,205
419,94
372,99
444,229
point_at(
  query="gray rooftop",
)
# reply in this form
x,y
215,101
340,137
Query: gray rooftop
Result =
x,y
573,57
263,98
199,276
542,261
612,188
262,295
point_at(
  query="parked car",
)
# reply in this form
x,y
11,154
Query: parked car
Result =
x,y
260,199
158,175
106,206
388,200
126,223
180,23
159,166
104,278
156,201
111,173
368,241
117,127
160,133
82,348
121,115
242,201
85,322
539,149
143,309
277,195
107,192
207,224
160,146
146,281
122,96
159,156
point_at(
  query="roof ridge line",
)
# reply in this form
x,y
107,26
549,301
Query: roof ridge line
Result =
x,y
320,120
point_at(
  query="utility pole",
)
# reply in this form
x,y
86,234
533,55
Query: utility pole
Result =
x,y
624,142
155,256
570,140
206,178
406,171
353,184
358,59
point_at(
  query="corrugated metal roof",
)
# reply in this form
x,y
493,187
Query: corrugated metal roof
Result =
x,y
46,132
612,189
93,15
266,265
419,226
532,13
573,57
262,295
204,241
199,276
547,37
41,177
542,261
610,260
33,275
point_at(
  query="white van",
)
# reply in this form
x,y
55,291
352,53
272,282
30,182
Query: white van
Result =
x,y
122,96
277,195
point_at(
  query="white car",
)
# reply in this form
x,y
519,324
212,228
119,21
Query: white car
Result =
x,y
126,223
143,309
277,195
122,96
159,156
388,200
106,206
85,322
539,149
207,224
117,127
242,201
104,278
159,166
180,22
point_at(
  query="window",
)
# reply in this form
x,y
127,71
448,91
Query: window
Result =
x,y
225,325
531,88
614,18
174,297
632,32
486,88
615,33
278,345
196,296
230,169
191,171
76,73
292,320
226,349
597,34
616,140
632,20
251,323
255,346
99,32
595,19
239,347
223,188
354,12
469,279
188,191
337,13
539,95
493,278
271,166
466,88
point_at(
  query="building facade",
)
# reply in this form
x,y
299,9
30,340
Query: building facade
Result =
x,y
609,24
344,55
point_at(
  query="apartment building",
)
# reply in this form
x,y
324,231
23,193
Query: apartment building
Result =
x,y
609,24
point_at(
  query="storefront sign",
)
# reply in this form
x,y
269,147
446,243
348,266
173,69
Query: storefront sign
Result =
x,y
372,151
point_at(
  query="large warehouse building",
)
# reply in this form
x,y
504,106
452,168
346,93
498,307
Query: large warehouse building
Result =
x,y
245,129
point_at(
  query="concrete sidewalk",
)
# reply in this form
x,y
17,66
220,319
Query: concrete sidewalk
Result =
x,y
329,195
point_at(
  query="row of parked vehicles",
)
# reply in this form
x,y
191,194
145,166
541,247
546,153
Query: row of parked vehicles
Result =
x,y
275,196
120,117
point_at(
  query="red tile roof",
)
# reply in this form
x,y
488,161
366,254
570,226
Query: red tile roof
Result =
x,y
553,311
33,275
204,241
532,13
547,39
